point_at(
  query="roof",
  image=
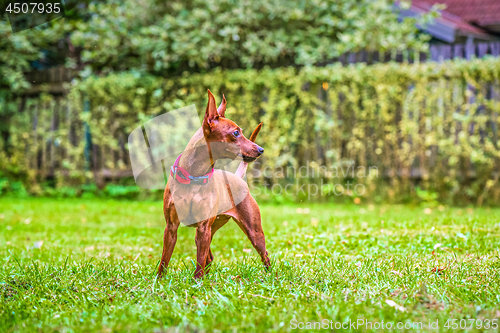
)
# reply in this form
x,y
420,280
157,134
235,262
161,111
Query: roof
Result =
x,y
480,12
448,26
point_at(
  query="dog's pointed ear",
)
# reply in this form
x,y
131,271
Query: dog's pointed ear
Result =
x,y
211,114
221,110
255,133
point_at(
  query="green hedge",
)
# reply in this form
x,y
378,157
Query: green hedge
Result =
x,y
430,130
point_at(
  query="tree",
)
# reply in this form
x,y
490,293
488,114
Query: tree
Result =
x,y
163,37
16,52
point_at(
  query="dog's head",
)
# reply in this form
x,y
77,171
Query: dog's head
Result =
x,y
217,128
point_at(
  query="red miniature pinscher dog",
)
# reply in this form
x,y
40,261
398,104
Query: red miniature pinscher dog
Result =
x,y
209,197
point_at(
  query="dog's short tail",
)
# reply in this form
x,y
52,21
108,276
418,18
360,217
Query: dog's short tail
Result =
x,y
242,168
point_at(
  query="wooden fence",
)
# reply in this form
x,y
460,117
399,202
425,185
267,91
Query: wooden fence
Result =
x,y
59,139
467,51
52,139
421,122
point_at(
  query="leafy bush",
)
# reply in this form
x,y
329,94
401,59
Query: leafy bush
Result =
x,y
119,191
429,125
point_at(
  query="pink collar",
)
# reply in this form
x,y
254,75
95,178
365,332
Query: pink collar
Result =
x,y
183,176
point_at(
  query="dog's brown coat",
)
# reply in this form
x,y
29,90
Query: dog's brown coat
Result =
x,y
197,160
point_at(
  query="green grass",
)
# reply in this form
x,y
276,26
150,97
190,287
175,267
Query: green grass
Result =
x,y
95,270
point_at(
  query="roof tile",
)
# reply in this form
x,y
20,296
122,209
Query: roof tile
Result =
x,y
480,12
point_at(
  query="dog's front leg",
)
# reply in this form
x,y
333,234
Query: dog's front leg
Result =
x,y
210,258
203,240
169,240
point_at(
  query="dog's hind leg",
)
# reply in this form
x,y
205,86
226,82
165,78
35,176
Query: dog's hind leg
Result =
x,y
249,220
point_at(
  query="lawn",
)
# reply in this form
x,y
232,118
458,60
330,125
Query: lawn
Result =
x,y
89,265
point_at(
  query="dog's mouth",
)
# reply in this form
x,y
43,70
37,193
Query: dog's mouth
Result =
x,y
247,159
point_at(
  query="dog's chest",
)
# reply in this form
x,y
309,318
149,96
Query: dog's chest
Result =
x,y
196,203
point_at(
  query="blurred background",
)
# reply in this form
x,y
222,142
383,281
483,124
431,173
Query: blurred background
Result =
x,y
376,101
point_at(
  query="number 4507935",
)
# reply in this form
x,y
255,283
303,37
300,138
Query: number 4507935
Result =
x,y
471,323
40,8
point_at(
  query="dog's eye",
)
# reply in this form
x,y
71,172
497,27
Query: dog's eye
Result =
x,y
236,133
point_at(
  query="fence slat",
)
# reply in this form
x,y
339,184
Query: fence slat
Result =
x,y
470,50
495,49
482,49
446,52
435,51
458,51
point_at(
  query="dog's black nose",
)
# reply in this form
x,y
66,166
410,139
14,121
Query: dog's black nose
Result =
x,y
261,150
